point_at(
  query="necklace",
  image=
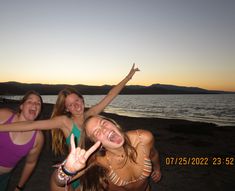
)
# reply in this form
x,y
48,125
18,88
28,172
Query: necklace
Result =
x,y
118,160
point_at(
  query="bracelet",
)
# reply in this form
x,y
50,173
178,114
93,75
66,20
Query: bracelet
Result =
x,y
65,171
62,177
20,187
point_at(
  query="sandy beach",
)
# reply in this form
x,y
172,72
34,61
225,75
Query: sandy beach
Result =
x,y
194,155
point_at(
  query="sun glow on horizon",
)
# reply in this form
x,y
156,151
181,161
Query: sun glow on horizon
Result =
x,y
93,44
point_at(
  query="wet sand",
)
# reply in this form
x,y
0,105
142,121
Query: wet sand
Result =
x,y
190,154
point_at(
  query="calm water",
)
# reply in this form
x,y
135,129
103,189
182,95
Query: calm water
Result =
x,y
215,108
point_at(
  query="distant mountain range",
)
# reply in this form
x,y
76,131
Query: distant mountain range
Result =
x,y
16,88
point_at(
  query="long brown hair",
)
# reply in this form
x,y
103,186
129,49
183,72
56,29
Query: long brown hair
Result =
x,y
58,139
89,182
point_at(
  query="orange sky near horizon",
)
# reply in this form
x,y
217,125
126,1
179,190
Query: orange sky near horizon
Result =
x,y
183,43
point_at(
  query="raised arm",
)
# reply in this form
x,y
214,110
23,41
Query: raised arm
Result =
x,y
57,122
111,94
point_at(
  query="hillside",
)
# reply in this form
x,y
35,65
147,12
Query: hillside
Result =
x,y
16,88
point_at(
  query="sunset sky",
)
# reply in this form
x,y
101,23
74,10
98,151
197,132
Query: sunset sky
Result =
x,y
95,42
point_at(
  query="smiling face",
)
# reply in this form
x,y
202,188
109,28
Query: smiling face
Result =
x,y
101,129
74,104
31,107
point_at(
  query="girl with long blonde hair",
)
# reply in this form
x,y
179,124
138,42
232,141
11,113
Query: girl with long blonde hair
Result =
x,y
68,116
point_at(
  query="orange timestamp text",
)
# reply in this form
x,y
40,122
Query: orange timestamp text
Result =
x,y
200,161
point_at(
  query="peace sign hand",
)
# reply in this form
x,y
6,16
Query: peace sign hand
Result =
x,y
77,157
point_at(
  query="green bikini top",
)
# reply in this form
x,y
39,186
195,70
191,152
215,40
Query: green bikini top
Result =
x,y
76,132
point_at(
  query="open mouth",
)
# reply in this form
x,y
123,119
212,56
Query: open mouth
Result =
x,y
32,112
114,137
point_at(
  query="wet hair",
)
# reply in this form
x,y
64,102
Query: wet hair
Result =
x,y
58,140
26,97
100,181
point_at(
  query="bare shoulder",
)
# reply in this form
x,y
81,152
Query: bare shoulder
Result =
x,y
6,110
145,135
62,119
5,113
66,121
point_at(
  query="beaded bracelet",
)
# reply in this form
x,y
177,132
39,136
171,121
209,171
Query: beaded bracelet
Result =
x,y
62,177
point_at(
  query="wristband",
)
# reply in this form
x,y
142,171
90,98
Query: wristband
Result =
x,y
65,171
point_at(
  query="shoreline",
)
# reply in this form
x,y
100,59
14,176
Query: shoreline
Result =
x,y
49,106
175,139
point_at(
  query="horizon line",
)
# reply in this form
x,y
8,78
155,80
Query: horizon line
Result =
x,y
230,91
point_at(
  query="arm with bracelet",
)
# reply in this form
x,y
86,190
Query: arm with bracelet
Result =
x,y
75,162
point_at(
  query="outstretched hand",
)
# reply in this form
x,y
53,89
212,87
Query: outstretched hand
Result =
x,y
77,157
132,71
156,175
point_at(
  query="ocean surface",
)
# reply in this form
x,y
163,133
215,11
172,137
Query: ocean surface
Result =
x,y
214,108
